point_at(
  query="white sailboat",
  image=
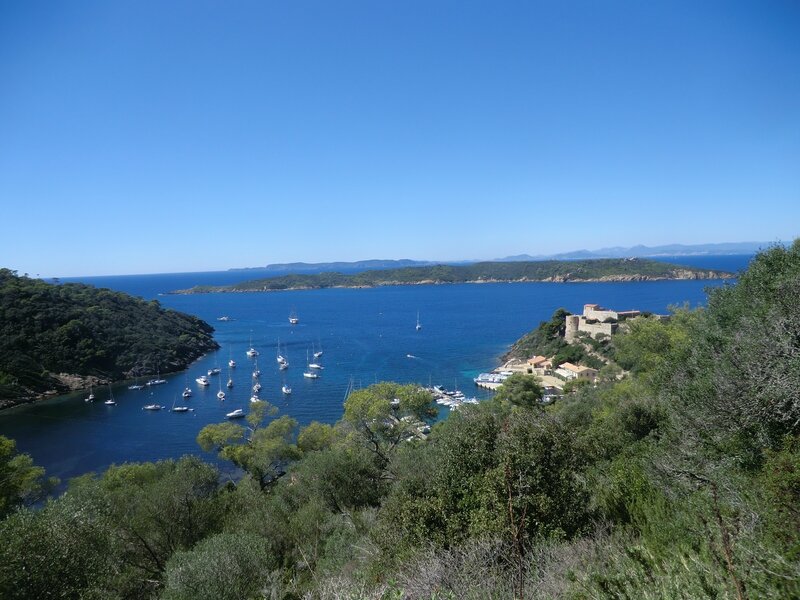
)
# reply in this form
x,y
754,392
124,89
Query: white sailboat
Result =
x,y
90,397
231,362
251,352
279,357
318,353
110,401
230,380
256,370
178,408
286,389
418,327
308,373
220,393
293,319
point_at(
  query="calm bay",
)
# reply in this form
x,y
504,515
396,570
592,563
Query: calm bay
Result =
x,y
366,335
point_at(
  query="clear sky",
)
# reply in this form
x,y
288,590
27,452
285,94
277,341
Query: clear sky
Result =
x,y
159,136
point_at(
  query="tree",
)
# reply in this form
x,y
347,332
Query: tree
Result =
x,y
265,453
384,413
21,482
316,436
520,390
226,566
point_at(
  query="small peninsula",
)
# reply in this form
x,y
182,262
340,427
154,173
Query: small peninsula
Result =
x,y
57,338
617,269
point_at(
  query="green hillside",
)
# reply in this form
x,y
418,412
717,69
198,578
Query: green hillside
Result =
x,y
76,329
681,480
551,270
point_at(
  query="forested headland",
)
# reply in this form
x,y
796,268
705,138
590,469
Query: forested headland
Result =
x,y
681,480
54,338
612,269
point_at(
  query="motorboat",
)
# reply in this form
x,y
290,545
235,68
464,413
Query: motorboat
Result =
x,y
203,380
235,414
286,389
152,407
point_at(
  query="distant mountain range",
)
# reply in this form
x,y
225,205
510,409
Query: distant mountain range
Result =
x,y
614,252
645,251
345,267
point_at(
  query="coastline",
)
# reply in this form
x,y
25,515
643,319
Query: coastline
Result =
x,y
683,276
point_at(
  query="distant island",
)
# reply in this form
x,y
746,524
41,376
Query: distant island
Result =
x,y
57,338
639,251
629,269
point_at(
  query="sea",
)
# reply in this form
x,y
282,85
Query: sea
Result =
x,y
365,335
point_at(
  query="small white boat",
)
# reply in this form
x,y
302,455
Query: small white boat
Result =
x,y
224,318
230,383
157,381
180,409
286,389
316,353
152,407
90,397
251,352
203,380
283,366
293,319
315,366
235,414
221,395
110,401
232,364
257,387
214,371
256,370
136,386
254,398
308,373
187,393
418,327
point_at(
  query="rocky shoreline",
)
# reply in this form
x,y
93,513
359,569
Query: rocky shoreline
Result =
x,y
680,275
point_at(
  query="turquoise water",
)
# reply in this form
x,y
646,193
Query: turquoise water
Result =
x,y
365,334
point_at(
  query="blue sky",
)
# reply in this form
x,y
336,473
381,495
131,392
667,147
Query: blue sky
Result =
x,y
156,136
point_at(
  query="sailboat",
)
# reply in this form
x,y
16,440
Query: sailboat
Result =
x,y
418,327
90,397
256,370
231,362
286,389
178,408
110,401
230,380
251,352
308,373
157,380
293,319
318,353
136,386
280,358
220,393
